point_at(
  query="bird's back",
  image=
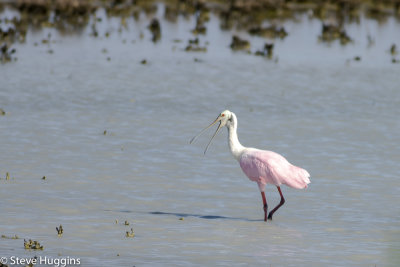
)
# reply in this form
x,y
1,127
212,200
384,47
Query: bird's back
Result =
x,y
268,167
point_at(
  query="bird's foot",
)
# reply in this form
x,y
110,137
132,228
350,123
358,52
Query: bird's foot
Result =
x,y
270,216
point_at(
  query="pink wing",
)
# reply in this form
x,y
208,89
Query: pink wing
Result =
x,y
267,167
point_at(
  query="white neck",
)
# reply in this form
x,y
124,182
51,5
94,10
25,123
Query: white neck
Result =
x,y
234,144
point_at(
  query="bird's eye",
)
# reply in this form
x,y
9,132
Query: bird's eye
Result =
x,y
222,115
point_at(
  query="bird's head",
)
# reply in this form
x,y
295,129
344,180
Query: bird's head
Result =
x,y
224,119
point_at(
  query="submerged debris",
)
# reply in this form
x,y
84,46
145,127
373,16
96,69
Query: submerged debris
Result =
x,y
194,41
199,29
155,29
202,17
331,32
194,46
2,112
130,234
31,244
60,230
267,51
6,53
10,237
271,32
239,44
393,50
126,223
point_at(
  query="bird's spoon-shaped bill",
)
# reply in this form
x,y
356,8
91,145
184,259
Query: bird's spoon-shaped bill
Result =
x,y
219,127
202,131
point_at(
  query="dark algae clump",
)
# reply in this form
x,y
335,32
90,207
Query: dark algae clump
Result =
x,y
130,234
239,44
155,29
60,230
6,55
194,46
331,32
267,51
32,244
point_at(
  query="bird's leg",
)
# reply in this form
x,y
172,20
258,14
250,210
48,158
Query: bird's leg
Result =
x,y
265,206
279,205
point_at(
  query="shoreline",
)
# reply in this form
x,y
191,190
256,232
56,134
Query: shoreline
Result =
x,y
264,19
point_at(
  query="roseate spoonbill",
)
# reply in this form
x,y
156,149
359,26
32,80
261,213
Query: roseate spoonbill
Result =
x,y
261,166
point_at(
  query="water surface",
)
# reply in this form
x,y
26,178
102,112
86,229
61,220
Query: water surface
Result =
x,y
335,117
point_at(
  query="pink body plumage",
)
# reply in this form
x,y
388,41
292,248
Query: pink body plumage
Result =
x,y
267,167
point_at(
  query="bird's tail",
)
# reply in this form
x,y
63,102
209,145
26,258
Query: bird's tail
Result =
x,y
299,178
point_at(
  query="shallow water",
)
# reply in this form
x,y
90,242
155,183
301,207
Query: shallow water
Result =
x,y
335,117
